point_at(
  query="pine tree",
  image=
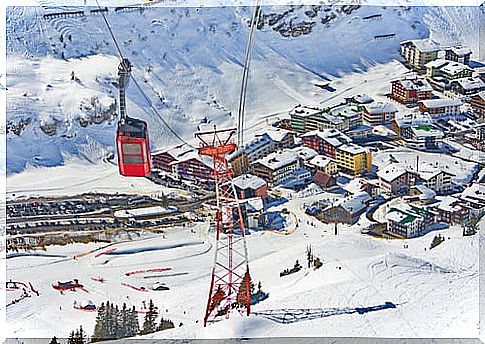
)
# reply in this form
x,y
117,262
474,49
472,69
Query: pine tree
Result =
x,y
71,339
100,329
133,324
54,340
165,324
80,336
123,322
149,324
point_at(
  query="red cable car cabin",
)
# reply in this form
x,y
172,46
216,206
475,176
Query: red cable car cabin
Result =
x,y
133,148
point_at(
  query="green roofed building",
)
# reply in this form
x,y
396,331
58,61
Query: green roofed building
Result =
x,y
406,221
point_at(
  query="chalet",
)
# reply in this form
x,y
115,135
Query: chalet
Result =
x,y
379,113
396,180
326,141
477,103
276,168
467,86
411,89
421,194
358,185
437,180
474,198
281,138
458,54
324,180
437,108
419,52
249,186
183,162
406,221
447,69
360,132
323,164
354,159
452,210
347,210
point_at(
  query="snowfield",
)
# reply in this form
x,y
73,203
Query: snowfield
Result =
x,y
435,292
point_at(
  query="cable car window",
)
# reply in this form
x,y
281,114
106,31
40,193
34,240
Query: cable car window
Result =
x,y
133,159
131,148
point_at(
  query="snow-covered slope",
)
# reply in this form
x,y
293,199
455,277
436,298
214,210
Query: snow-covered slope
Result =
x,y
188,61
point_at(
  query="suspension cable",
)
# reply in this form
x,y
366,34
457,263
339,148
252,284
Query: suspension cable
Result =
x,y
244,82
138,85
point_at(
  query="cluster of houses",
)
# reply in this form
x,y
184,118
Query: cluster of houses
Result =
x,y
319,144
445,69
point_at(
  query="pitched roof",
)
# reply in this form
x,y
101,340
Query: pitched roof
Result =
x,y
249,181
437,103
380,108
324,179
392,171
275,161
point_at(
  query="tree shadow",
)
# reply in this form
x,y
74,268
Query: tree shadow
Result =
x,y
289,316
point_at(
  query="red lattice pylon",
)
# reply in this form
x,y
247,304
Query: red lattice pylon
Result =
x,y
230,281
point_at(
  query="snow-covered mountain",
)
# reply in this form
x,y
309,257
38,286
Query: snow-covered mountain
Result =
x,y
61,71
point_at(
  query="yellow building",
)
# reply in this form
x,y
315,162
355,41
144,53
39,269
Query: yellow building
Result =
x,y
354,159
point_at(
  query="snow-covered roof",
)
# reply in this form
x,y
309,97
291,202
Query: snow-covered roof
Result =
x,y
355,203
392,171
356,185
331,136
415,83
436,63
474,194
404,213
437,103
460,51
428,175
352,148
470,83
320,161
424,45
481,95
380,108
257,143
426,192
275,161
453,68
347,111
413,118
450,204
176,152
277,134
362,99
147,211
304,152
249,181
422,131
254,204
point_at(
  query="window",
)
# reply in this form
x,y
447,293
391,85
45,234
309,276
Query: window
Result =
x,y
131,148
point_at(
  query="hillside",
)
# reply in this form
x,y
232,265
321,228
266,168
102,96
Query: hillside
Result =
x,y
60,72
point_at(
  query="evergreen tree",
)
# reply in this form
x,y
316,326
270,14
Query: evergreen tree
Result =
x,y
165,324
80,336
149,324
133,324
123,322
71,339
100,329
54,340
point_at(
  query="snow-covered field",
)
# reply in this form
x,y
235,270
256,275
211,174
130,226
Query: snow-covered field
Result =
x,y
435,291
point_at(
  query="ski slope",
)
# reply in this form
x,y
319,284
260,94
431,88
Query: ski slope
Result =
x,y
435,292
